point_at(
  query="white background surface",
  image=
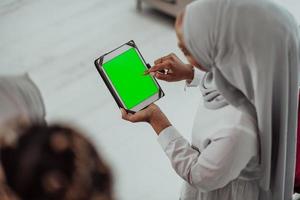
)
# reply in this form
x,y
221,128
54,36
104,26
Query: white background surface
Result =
x,y
57,41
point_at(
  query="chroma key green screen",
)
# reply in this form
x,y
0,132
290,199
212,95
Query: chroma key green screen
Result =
x,y
126,72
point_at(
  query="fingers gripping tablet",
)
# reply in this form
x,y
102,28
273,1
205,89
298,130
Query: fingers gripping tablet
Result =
x,y
122,70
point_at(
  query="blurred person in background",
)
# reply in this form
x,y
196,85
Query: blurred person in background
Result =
x,y
40,162
20,103
19,96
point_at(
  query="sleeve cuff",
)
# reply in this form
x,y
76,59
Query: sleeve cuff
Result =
x,y
168,135
196,80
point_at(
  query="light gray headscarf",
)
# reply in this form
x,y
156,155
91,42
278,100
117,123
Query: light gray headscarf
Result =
x,y
19,96
251,47
212,98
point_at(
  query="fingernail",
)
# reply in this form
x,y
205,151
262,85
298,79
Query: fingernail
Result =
x,y
152,73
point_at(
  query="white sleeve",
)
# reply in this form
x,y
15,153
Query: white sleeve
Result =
x,y
221,161
196,80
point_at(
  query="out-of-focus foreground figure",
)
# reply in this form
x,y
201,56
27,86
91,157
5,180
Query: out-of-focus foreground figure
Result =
x,y
50,162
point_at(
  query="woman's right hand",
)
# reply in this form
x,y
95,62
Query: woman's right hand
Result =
x,y
175,69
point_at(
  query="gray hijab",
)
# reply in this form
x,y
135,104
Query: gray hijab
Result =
x,y
251,47
212,98
19,96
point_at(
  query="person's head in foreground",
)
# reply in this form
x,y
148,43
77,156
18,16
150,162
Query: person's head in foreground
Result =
x,y
52,163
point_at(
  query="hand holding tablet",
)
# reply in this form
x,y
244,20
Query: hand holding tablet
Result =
x,y
122,70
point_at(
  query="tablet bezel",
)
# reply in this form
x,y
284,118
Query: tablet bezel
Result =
x,y
112,54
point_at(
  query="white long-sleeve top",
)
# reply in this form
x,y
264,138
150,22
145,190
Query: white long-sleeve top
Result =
x,y
221,162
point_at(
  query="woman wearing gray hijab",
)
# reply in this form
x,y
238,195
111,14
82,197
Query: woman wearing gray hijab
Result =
x,y
243,147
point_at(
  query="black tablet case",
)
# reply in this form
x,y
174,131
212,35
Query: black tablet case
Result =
x,y
98,63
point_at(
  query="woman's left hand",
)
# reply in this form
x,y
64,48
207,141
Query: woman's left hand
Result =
x,y
152,114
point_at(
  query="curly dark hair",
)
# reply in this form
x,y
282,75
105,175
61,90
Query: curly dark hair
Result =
x,y
55,163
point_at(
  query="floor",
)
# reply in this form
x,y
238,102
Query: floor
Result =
x,y
57,41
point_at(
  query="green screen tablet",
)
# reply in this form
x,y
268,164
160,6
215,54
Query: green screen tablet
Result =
x,y
123,70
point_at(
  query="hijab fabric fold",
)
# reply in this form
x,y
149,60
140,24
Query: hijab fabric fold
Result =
x,y
211,96
251,47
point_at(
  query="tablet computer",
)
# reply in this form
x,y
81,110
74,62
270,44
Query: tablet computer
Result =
x,y
122,70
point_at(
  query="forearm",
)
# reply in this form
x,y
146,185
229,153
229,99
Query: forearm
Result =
x,y
218,164
159,122
182,156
